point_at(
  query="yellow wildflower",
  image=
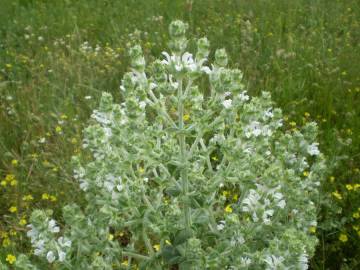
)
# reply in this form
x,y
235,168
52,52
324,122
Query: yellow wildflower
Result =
x,y
228,209
332,179
292,123
168,242
214,158
156,247
53,198
28,197
58,129
343,237
45,196
356,215
3,183
14,162
235,197
10,258
141,170
356,227
186,117
13,183
13,209
9,177
73,140
226,193
349,187
125,263
110,237
356,186
63,116
307,114
6,242
22,222
306,173
312,229
337,195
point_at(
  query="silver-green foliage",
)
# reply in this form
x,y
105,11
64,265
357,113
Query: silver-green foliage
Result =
x,y
161,161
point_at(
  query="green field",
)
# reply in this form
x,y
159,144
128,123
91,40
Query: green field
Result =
x,y
57,57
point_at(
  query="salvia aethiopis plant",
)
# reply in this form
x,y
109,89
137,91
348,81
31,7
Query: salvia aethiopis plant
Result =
x,y
187,172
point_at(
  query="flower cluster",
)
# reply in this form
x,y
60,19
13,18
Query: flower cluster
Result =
x,y
163,161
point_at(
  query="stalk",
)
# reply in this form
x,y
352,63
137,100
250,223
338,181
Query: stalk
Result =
x,y
183,172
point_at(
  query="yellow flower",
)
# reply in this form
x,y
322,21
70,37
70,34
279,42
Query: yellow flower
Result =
x,y
356,215
343,237
228,209
28,197
6,242
356,186
292,123
214,158
110,237
10,258
125,263
58,129
53,198
332,179
73,140
9,66
337,195
168,242
312,229
306,173
13,183
186,117
141,170
235,197
3,183
13,209
14,162
9,177
22,222
156,247
63,116
226,193
349,187
45,196
307,114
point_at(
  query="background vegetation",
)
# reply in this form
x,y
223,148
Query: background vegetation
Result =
x,y
56,57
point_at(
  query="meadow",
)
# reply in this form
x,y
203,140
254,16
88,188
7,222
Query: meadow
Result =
x,y
57,57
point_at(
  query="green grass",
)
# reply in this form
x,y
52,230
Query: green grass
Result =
x,y
306,53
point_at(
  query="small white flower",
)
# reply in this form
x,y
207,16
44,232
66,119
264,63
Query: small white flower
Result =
x,y
245,261
88,97
267,215
52,226
42,140
50,256
62,255
303,262
313,149
243,96
227,103
142,104
273,262
221,225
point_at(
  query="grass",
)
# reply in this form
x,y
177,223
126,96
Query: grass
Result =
x,y
306,53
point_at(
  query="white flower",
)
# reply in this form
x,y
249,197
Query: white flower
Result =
x,y
62,255
268,113
281,204
245,261
64,242
273,262
42,140
221,225
227,103
243,96
88,97
142,104
52,226
267,215
50,257
313,149
303,262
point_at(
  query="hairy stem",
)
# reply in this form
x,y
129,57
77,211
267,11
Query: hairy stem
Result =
x,y
183,173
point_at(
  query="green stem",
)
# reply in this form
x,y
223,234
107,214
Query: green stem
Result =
x,y
135,255
183,173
